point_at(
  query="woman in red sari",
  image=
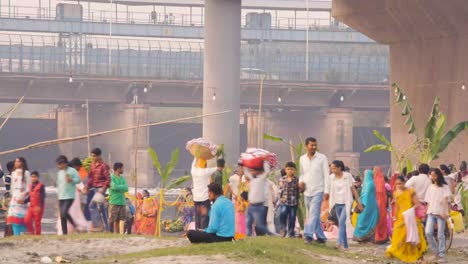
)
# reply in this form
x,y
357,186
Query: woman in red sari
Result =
x,y
381,230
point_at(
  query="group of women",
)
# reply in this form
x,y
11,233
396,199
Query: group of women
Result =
x,y
392,216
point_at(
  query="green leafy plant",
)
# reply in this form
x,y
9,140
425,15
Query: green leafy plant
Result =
x,y
427,147
165,174
86,163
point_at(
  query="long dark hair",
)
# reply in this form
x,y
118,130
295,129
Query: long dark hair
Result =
x,y
23,161
24,167
339,164
440,181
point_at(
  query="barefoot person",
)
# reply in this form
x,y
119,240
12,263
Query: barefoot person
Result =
x,y
221,227
314,176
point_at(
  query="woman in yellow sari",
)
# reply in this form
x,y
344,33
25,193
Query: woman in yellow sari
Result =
x,y
407,252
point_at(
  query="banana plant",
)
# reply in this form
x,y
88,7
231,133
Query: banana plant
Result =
x,y
429,146
165,174
86,163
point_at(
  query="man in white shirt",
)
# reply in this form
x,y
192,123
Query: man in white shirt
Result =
x,y
201,179
420,183
314,180
257,212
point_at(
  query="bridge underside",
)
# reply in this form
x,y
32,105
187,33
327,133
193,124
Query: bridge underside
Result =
x,y
427,57
55,89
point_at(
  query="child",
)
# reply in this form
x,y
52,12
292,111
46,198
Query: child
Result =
x,y
289,199
437,198
36,200
117,203
130,210
331,229
189,211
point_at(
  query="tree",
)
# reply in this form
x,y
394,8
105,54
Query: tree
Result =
x,y
427,147
165,174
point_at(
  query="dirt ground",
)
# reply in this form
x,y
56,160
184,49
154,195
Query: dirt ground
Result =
x,y
78,249
75,250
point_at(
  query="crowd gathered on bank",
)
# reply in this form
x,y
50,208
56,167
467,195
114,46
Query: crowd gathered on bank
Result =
x,y
315,200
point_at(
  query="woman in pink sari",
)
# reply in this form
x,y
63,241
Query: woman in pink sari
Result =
x,y
381,230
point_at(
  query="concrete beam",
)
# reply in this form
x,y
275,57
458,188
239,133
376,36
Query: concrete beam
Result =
x,y
174,31
57,90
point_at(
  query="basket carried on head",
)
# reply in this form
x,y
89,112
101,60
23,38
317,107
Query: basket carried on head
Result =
x,y
202,148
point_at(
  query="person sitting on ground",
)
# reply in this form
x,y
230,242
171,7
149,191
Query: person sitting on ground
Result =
x,y
221,227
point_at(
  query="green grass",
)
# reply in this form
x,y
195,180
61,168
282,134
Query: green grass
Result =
x,y
269,250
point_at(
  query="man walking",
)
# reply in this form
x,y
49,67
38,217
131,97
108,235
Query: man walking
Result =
x,y
314,180
98,181
67,178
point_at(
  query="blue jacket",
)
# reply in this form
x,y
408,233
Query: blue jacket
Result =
x,y
222,218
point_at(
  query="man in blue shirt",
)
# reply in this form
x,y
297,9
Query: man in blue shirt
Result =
x,y
221,227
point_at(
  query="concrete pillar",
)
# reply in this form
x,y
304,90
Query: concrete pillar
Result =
x,y
339,131
71,122
222,74
428,57
116,146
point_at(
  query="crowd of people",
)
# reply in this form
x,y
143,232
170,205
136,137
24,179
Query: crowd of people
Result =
x,y
90,199
408,211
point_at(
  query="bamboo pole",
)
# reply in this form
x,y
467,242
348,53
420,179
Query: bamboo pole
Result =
x,y
291,149
87,125
11,112
260,100
71,139
136,155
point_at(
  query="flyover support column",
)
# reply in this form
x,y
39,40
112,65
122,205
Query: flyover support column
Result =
x,y
116,147
221,85
339,130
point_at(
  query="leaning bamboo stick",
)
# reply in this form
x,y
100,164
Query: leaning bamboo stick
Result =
x,y
11,112
71,139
